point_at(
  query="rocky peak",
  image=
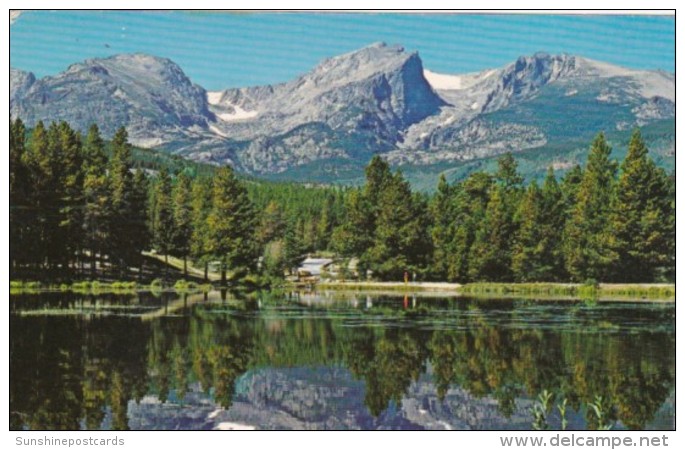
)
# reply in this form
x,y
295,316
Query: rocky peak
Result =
x,y
20,82
541,68
355,66
150,95
382,85
135,68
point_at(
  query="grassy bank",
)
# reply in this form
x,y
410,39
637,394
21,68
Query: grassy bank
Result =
x,y
101,287
520,288
494,290
583,291
540,290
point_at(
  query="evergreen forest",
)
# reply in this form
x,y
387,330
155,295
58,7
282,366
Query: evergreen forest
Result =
x,y
81,206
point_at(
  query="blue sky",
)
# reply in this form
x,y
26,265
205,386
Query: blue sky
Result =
x,y
222,50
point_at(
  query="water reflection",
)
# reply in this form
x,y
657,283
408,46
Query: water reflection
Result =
x,y
336,359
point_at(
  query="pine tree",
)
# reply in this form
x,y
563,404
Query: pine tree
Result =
x,y
588,235
96,196
19,193
378,175
293,252
640,220
17,150
323,228
401,241
272,224
553,216
232,222
138,225
183,219
669,272
471,200
353,237
528,254
507,175
570,185
71,189
490,255
121,190
202,192
443,219
163,233
44,198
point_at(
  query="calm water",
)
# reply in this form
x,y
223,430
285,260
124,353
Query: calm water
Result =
x,y
336,361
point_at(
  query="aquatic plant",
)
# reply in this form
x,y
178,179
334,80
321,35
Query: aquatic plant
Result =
x,y
600,410
541,409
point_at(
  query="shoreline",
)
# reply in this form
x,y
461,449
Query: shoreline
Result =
x,y
602,291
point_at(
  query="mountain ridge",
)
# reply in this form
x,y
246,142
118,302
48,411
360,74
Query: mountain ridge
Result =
x,y
376,100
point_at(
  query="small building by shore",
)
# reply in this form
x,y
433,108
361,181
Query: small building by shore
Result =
x,y
313,267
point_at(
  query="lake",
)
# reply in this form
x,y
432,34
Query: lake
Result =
x,y
339,360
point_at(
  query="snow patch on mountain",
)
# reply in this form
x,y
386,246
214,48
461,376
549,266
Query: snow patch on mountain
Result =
x,y
238,113
214,98
442,81
449,82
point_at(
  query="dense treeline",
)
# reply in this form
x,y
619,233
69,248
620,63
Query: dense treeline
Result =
x,y
83,206
600,222
70,204
79,205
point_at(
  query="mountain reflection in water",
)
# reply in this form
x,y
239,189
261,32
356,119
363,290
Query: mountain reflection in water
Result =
x,y
335,361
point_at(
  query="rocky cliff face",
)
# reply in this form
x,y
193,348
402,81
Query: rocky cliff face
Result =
x,y
379,99
151,96
351,105
20,82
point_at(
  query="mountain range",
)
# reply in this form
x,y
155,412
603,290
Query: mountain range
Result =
x,y
328,122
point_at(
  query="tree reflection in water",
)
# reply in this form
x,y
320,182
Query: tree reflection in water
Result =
x,y
81,371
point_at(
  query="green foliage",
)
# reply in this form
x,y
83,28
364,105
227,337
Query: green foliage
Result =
x,y
643,216
355,234
490,254
599,409
401,242
528,258
541,409
545,289
586,291
124,210
20,189
97,200
73,208
589,239
293,251
201,205
442,216
274,261
231,224
163,225
186,286
182,219
471,198
562,407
